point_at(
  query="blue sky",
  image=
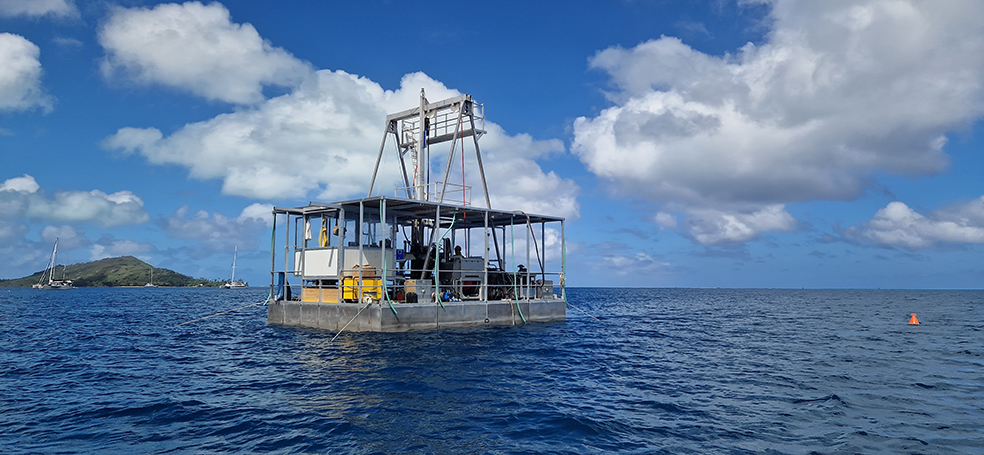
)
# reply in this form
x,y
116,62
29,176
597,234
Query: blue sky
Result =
x,y
707,144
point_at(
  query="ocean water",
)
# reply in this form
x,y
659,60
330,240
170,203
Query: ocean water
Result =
x,y
661,371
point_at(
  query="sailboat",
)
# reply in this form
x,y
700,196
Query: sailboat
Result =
x,y
49,272
151,284
233,283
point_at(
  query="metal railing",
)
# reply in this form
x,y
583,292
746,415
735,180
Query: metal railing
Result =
x,y
452,192
398,289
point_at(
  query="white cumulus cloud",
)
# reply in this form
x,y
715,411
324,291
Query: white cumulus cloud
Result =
x,y
37,8
898,225
837,91
20,75
127,140
115,209
715,227
257,211
322,139
316,139
25,184
196,48
22,197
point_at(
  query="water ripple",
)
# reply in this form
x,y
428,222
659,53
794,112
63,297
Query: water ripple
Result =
x,y
664,371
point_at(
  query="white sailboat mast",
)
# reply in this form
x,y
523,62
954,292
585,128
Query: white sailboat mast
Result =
x,y
54,253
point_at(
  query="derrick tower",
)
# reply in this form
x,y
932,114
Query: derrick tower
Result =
x,y
454,121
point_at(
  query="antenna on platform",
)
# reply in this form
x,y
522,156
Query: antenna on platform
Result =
x,y
416,130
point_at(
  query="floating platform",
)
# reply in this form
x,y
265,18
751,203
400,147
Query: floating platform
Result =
x,y
426,258
413,316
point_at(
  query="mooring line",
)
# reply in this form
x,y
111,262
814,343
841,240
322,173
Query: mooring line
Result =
x,y
585,312
346,325
223,312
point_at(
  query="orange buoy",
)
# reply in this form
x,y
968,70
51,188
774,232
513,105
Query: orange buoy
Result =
x,y
913,320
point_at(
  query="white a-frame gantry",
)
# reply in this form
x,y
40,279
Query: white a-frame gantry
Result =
x,y
416,130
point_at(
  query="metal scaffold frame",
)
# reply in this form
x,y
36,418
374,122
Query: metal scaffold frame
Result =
x,y
362,234
416,130
432,256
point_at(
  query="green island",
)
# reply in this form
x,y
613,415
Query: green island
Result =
x,y
120,271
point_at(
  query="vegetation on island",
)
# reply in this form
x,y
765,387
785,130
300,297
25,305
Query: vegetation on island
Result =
x,y
121,271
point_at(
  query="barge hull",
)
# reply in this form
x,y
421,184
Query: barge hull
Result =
x,y
413,316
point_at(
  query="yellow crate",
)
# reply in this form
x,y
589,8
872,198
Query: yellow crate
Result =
x,y
326,295
371,287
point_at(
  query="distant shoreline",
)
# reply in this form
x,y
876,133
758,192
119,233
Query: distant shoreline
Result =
x,y
129,287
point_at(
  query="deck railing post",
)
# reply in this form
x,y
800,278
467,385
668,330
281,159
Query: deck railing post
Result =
x,y
563,262
382,247
360,235
340,265
529,265
543,253
437,253
286,250
485,270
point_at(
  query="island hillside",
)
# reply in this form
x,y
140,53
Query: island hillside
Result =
x,y
121,271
